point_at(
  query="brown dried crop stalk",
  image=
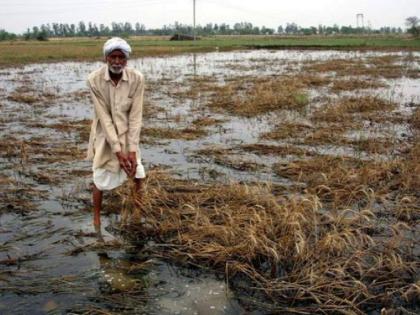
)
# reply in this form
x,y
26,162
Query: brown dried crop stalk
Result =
x,y
355,84
408,182
304,258
344,182
415,120
342,67
259,96
348,108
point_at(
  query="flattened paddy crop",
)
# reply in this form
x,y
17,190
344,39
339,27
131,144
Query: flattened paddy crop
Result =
x,y
291,177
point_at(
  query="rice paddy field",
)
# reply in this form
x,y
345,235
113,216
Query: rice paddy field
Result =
x,y
279,182
18,52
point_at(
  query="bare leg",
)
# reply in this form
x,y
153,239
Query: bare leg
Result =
x,y
97,205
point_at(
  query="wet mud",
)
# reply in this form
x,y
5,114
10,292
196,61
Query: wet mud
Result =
x,y
212,118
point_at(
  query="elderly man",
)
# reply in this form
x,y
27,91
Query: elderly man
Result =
x,y
117,95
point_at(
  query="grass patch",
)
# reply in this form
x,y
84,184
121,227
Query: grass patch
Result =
x,y
355,84
339,66
348,182
287,130
278,150
372,145
237,163
81,127
339,181
331,134
415,119
172,133
81,49
345,108
384,66
24,98
253,97
206,121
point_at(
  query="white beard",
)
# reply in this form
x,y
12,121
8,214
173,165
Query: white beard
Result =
x,y
115,70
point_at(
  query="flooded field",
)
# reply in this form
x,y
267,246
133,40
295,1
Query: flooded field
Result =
x,y
278,182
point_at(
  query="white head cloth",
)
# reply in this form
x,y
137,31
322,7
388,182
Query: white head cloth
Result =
x,y
116,43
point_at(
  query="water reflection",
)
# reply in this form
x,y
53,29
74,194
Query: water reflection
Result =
x,y
47,262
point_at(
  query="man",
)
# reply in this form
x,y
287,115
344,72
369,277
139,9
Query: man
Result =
x,y
117,95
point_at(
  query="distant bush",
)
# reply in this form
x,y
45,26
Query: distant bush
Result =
x,y
126,29
42,36
6,36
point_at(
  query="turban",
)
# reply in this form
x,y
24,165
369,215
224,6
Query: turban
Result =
x,y
116,43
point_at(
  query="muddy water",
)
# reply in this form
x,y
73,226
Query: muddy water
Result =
x,y
51,259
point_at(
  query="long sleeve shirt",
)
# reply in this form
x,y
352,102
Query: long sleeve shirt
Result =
x,y
117,117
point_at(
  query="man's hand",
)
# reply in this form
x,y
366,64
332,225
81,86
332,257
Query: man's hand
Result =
x,y
133,162
124,162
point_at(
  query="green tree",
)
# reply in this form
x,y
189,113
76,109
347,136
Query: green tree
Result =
x,y
140,28
82,28
291,28
412,23
42,35
6,35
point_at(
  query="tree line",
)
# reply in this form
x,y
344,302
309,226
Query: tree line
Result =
x,y
125,29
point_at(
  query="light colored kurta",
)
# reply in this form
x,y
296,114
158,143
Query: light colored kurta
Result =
x,y
117,117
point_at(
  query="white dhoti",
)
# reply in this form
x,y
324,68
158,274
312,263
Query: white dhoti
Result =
x,y
107,180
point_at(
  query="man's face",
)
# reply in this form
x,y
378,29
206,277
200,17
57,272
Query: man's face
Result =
x,y
116,61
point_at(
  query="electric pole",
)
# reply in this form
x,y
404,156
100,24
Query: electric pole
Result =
x,y
360,20
194,19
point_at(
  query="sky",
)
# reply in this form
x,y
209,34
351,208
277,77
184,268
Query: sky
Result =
x,y
17,15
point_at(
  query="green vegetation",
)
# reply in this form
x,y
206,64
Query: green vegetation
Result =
x,y
412,23
22,52
124,29
6,35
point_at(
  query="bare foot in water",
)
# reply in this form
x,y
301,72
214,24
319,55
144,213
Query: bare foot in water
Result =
x,y
99,233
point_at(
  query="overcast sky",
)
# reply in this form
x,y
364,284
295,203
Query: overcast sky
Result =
x,y
17,15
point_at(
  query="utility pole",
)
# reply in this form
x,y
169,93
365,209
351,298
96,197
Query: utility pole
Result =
x,y
194,19
360,20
